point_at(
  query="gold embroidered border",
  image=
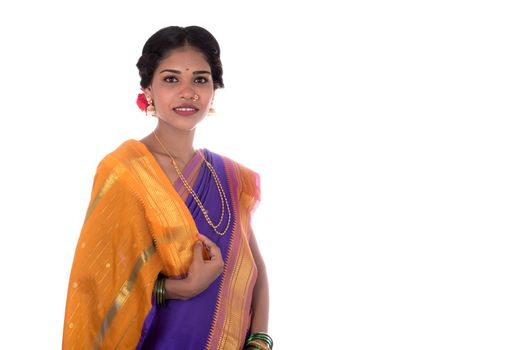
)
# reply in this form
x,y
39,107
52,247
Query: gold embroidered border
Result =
x,y
123,294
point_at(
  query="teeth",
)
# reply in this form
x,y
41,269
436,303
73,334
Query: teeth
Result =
x,y
185,109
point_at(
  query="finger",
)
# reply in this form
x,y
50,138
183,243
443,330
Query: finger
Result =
x,y
214,250
206,244
206,240
197,250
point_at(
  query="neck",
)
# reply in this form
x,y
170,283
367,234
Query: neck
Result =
x,y
178,142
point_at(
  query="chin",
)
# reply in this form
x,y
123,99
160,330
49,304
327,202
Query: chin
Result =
x,y
184,126
182,123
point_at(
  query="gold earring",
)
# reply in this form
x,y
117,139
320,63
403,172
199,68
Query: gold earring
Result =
x,y
150,105
211,111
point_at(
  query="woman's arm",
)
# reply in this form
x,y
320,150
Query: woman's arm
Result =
x,y
260,302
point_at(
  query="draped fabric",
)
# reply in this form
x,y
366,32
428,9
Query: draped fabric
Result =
x,y
138,224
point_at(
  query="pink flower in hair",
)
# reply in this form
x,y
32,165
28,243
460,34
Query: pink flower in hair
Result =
x,y
141,102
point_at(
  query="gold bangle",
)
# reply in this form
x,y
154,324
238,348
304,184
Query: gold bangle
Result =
x,y
253,347
260,344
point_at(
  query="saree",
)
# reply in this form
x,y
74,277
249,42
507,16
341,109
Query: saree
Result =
x,y
139,225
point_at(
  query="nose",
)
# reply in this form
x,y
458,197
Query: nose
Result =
x,y
187,92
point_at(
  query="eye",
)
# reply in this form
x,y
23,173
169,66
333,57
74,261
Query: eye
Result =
x,y
201,80
170,79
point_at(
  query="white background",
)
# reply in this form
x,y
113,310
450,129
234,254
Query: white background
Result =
x,y
388,134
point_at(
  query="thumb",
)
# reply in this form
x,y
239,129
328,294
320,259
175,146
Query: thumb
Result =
x,y
197,250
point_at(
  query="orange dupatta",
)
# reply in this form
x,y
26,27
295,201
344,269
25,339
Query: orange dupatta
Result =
x,y
135,227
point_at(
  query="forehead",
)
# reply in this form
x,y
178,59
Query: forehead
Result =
x,y
183,58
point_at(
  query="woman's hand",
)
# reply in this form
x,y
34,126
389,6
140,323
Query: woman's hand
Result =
x,y
206,266
203,272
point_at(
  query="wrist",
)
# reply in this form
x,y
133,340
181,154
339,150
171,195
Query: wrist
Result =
x,y
179,289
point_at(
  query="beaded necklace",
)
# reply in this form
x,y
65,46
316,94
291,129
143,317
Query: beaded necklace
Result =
x,y
221,192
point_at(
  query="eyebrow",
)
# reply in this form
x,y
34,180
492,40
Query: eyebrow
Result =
x,y
179,72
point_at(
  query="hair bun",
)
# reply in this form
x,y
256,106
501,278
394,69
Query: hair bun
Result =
x,y
146,59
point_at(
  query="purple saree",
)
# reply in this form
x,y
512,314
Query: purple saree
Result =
x,y
219,317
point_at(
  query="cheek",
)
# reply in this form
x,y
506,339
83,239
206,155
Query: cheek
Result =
x,y
164,98
211,96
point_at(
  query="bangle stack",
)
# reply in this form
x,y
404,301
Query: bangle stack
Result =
x,y
160,291
259,341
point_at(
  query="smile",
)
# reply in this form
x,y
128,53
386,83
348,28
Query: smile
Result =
x,y
185,110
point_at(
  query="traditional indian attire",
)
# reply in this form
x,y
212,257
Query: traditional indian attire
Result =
x,y
138,225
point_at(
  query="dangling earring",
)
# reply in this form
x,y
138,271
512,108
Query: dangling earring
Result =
x,y
150,105
211,111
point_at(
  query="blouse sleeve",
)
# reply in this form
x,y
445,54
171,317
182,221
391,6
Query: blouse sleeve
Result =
x,y
250,188
249,196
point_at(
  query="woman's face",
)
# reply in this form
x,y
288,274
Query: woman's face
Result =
x,y
182,88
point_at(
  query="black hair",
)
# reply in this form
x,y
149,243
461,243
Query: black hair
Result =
x,y
160,44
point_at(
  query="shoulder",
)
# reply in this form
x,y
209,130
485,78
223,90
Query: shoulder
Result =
x,y
118,164
248,179
228,161
124,158
124,154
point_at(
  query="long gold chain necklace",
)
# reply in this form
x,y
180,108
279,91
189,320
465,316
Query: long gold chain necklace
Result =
x,y
221,192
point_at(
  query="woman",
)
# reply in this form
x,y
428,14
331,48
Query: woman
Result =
x,y
167,258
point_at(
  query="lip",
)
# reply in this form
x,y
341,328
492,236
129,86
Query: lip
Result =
x,y
185,110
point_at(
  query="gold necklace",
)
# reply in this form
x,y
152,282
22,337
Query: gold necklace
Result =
x,y
221,192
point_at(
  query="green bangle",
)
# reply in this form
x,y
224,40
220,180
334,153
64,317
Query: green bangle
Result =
x,y
156,292
263,336
163,291
160,291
